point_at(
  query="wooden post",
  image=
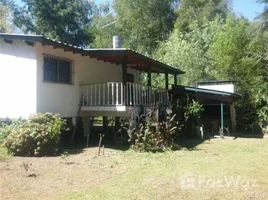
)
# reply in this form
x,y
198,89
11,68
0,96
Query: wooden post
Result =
x,y
175,79
233,117
101,137
124,79
105,122
149,86
149,74
222,120
166,80
116,127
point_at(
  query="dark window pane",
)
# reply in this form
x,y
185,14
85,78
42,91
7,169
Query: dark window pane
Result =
x,y
64,71
50,69
130,78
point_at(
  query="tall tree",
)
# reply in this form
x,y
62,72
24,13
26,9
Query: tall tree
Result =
x,y
200,11
104,26
142,24
189,51
5,25
67,21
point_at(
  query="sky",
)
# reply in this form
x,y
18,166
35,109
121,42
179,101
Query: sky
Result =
x,y
248,8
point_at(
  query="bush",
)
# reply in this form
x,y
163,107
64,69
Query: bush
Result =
x,y
39,135
153,133
7,127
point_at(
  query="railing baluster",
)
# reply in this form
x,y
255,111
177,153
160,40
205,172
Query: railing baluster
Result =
x,y
99,88
112,93
103,94
140,94
134,94
121,93
87,99
116,93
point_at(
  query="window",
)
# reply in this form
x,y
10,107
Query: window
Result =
x,y
57,70
130,78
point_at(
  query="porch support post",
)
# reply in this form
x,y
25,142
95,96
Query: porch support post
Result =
x,y
149,85
149,74
222,120
166,80
124,79
233,117
175,79
104,122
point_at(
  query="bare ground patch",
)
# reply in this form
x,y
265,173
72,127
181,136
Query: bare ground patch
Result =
x,y
49,177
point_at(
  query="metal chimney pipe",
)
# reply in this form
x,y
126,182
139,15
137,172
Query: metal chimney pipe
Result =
x,y
116,42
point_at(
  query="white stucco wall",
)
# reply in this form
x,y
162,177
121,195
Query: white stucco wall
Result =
x,y
17,79
23,90
64,99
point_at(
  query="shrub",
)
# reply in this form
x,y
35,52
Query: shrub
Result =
x,y
39,135
7,127
152,133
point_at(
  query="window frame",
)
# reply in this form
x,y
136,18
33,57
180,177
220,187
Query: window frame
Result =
x,y
58,74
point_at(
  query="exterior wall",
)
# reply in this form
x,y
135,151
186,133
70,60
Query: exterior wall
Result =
x,y
63,98
221,87
17,79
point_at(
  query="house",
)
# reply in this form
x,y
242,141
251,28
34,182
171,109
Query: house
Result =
x,y
40,75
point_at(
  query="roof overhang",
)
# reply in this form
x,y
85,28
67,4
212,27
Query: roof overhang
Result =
x,y
204,95
132,58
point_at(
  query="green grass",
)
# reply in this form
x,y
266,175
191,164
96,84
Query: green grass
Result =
x,y
157,175
131,175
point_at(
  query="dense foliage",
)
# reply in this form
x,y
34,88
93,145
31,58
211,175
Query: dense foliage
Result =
x,y
39,135
67,21
5,26
154,131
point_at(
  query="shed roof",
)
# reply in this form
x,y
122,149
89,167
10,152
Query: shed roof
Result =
x,y
206,94
133,59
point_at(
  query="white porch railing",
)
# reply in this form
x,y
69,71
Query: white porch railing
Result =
x,y
111,94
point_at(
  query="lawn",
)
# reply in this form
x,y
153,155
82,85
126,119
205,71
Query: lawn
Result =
x,y
210,167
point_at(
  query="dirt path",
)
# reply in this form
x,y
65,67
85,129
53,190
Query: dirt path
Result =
x,y
49,177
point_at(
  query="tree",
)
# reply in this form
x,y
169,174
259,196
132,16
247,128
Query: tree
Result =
x,y
239,52
104,27
201,11
4,17
189,51
67,21
142,24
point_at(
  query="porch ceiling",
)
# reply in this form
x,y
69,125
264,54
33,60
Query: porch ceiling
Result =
x,y
132,58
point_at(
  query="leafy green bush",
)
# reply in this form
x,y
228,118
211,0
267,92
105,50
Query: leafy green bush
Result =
x,y
153,133
7,127
39,135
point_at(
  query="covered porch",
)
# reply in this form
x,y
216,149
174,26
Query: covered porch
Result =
x,y
219,107
117,96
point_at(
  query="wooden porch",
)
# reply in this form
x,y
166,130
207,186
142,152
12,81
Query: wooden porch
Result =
x,y
114,96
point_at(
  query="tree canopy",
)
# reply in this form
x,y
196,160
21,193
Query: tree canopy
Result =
x,y
5,26
67,21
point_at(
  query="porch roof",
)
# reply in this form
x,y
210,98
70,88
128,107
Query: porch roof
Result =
x,y
205,95
134,60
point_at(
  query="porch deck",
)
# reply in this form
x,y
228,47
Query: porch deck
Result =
x,y
110,96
